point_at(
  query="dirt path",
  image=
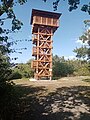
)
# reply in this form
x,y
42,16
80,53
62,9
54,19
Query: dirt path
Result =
x,y
65,99
54,84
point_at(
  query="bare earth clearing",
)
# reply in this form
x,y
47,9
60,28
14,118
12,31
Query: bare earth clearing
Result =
x,y
64,99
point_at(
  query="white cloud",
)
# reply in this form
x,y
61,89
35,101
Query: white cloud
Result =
x,y
70,57
80,42
88,28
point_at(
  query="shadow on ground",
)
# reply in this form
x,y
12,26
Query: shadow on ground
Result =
x,y
66,103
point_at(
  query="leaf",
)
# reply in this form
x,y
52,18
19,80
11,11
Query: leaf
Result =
x,y
84,8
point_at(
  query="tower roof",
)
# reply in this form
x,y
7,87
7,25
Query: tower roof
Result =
x,y
42,13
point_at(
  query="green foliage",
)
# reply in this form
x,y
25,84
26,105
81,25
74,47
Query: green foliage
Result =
x,y
15,75
61,67
73,5
86,37
81,52
7,7
9,102
25,70
84,51
22,71
87,23
86,8
6,94
82,71
4,68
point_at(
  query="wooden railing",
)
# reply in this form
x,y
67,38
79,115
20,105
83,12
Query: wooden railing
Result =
x,y
35,37
45,21
34,51
34,64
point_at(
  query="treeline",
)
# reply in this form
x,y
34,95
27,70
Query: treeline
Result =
x,y
61,68
22,70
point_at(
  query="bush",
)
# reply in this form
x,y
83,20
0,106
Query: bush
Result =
x,y
24,70
9,102
15,75
61,69
55,78
82,71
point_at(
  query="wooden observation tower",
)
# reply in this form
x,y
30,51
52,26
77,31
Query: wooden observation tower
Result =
x,y
44,24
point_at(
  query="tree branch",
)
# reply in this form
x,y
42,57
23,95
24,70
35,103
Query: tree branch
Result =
x,y
6,5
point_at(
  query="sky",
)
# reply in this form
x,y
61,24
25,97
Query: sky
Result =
x,y
65,39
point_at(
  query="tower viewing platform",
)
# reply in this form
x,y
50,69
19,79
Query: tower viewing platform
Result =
x,y
44,24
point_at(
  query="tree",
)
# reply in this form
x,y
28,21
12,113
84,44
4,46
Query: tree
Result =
x,y
25,70
84,51
87,23
6,91
22,70
5,65
4,70
61,67
7,7
73,5
81,52
86,38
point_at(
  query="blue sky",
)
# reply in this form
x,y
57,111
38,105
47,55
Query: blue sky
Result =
x,y
64,39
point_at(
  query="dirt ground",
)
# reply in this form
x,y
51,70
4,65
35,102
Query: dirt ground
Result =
x,y
64,99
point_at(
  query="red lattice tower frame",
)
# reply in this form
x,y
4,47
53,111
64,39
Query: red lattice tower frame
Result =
x,y
44,24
